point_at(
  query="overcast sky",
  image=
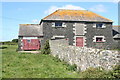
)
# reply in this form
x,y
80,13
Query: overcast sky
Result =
x,y
15,13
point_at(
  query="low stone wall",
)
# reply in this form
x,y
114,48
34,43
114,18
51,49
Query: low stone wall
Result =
x,y
84,57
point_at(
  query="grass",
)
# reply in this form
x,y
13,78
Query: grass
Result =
x,y
96,73
117,49
28,65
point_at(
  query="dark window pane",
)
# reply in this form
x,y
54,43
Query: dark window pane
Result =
x,y
28,41
99,25
58,24
99,39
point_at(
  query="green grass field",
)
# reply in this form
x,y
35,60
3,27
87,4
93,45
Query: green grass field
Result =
x,y
27,65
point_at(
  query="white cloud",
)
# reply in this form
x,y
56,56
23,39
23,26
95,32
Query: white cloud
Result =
x,y
116,1
35,21
53,8
98,8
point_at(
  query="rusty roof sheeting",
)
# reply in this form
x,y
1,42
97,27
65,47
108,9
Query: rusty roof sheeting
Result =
x,y
116,25
76,15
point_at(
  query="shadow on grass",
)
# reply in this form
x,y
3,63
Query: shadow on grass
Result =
x,y
3,47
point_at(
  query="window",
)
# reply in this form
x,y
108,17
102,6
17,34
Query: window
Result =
x,y
99,39
99,25
58,24
58,37
28,40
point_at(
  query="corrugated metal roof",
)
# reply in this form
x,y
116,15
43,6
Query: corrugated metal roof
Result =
x,y
76,15
30,30
116,28
117,36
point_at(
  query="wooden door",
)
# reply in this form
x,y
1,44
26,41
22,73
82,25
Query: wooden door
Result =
x,y
31,44
79,41
25,44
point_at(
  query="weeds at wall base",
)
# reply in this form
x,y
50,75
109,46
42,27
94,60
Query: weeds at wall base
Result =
x,y
46,48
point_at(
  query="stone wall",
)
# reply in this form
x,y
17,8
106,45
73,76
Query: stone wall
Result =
x,y
84,57
71,30
106,32
50,31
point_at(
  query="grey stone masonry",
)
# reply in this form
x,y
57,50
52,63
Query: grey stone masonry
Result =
x,y
50,31
84,57
106,32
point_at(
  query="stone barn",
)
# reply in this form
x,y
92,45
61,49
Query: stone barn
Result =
x,y
116,35
80,28
30,37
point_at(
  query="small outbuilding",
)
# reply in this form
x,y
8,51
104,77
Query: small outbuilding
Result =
x,y
116,35
30,36
116,32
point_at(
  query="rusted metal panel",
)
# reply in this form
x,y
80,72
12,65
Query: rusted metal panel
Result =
x,y
31,44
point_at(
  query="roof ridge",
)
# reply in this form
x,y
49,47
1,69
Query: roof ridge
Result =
x,y
101,16
61,10
116,25
73,9
28,24
68,14
50,14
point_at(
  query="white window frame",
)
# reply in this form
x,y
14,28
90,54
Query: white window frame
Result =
x,y
103,38
103,26
30,37
63,25
55,36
